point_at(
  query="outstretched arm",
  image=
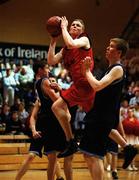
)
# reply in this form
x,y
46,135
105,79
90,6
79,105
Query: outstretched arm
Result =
x,y
53,58
97,85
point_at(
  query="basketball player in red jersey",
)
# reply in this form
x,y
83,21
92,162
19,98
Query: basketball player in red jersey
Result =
x,y
77,47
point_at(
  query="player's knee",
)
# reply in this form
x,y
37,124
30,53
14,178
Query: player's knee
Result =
x,y
87,158
52,157
68,159
68,116
31,156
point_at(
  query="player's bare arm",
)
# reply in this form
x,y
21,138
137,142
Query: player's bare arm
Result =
x,y
97,85
53,58
48,91
33,118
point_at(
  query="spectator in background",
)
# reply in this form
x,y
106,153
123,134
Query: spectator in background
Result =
x,y
131,128
9,85
134,100
30,96
128,94
0,72
134,68
136,112
5,114
17,102
79,123
30,72
14,125
3,72
124,109
23,115
64,80
23,79
57,69
23,76
136,86
17,73
2,124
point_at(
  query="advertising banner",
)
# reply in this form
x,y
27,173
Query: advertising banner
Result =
x,y
22,51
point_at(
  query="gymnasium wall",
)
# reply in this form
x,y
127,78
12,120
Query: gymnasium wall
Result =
x,y
23,21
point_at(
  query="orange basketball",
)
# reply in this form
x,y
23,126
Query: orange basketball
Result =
x,y
53,26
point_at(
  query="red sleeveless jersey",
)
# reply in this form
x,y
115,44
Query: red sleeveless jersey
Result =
x,y
72,59
80,93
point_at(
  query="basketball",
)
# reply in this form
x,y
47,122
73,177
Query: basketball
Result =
x,y
53,26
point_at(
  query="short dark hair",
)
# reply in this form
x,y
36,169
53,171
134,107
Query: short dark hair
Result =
x,y
122,45
39,64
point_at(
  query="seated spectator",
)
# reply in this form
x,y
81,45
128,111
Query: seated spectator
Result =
x,y
22,114
23,79
2,124
5,114
134,100
30,71
124,109
128,94
16,104
14,126
17,73
9,85
23,76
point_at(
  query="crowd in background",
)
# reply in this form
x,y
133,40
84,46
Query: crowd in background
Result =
x,y
17,96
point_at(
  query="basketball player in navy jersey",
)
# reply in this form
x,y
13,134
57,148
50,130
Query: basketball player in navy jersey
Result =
x,y
103,119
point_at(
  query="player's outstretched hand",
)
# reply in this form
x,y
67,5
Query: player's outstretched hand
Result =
x,y
85,66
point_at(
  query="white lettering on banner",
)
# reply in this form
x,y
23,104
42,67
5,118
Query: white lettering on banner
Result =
x,y
31,53
23,51
9,52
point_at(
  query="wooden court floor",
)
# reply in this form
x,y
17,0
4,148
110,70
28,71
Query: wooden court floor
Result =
x,y
78,174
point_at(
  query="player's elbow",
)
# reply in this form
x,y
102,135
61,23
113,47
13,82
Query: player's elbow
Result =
x,y
96,87
70,45
50,61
